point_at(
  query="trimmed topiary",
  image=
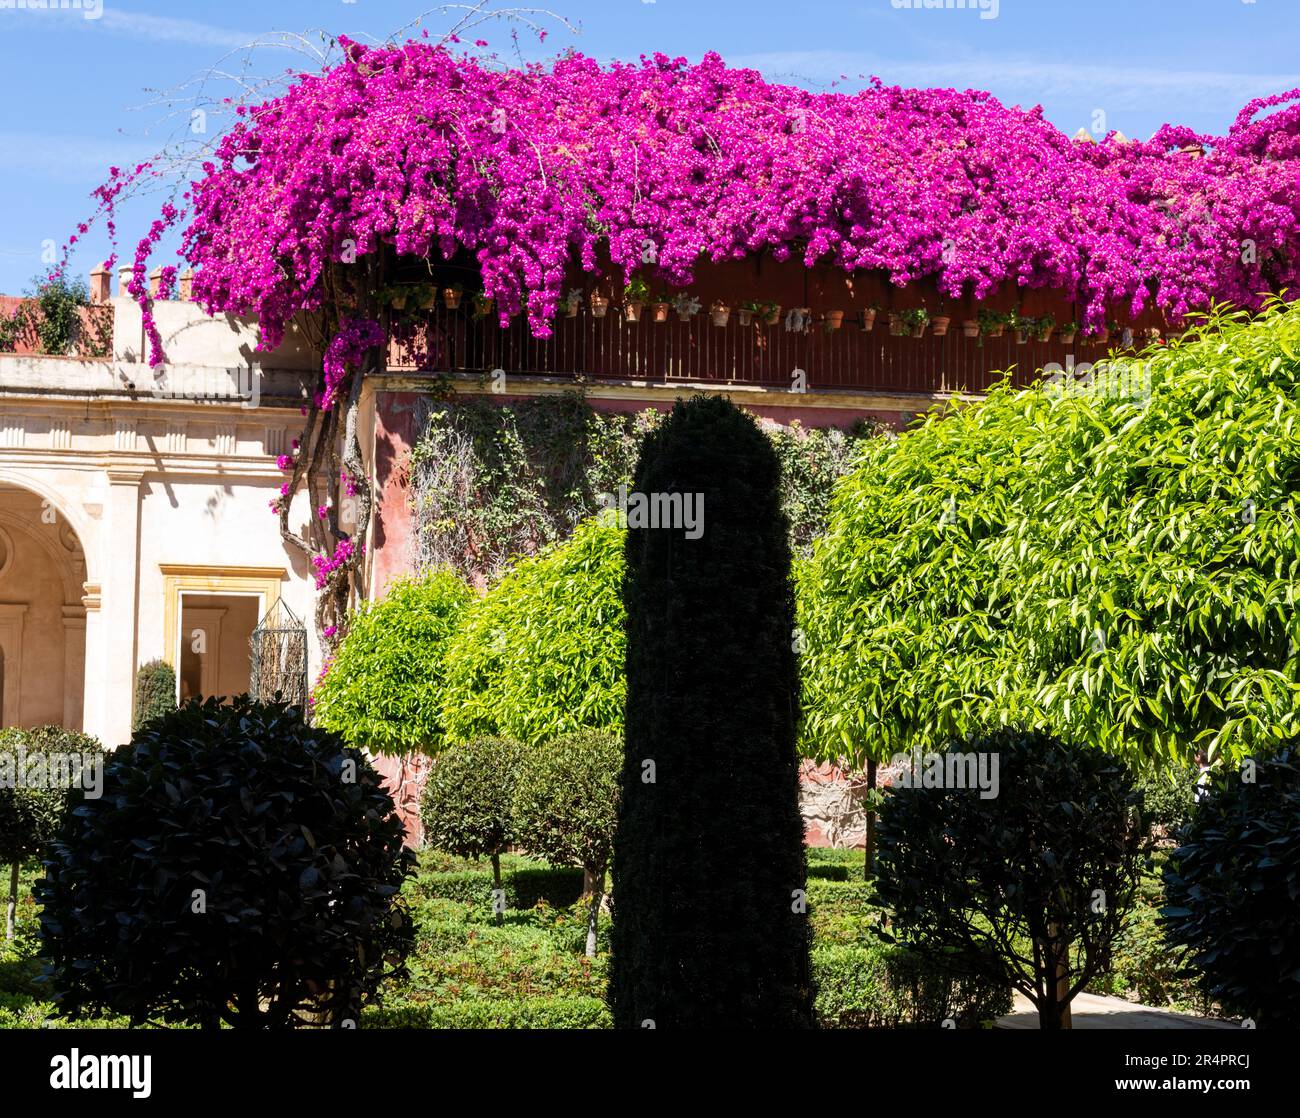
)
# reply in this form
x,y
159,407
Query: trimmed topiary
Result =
x,y
710,923
1024,871
1232,889
383,688
240,867
36,769
565,807
155,692
467,800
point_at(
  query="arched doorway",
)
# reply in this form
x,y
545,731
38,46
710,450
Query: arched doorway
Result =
x,y
42,618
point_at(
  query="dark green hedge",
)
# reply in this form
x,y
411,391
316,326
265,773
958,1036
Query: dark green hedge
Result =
x,y
496,1013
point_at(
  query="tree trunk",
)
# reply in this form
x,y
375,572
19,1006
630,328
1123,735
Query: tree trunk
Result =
x,y
11,905
869,863
496,885
593,913
1055,1012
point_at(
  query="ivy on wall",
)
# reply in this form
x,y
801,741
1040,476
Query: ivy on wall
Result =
x,y
491,482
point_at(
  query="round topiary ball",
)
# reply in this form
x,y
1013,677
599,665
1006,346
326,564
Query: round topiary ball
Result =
x,y
241,866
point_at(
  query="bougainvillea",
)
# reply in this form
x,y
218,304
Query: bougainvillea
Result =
x,y
416,151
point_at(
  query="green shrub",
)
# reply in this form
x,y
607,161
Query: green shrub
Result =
x,y
558,886
886,986
541,655
466,802
566,806
155,692
1233,889
495,1013
383,689
241,866
709,859
1010,884
33,792
1168,797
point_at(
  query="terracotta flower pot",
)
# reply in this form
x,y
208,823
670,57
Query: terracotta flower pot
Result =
x,y
632,311
1045,334
918,331
571,308
599,306
661,312
451,298
1022,336
970,328
744,318
1102,336
868,319
428,300
834,319
896,325
939,326
399,302
720,314
998,330
772,317
1066,337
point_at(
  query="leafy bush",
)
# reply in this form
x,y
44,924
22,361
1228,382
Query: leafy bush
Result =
x,y
241,866
466,802
155,692
1112,559
565,807
1029,886
383,688
33,793
1233,889
888,986
709,860
541,655
1168,797
496,1013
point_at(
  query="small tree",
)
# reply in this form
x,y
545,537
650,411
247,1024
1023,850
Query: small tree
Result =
x,y
566,807
1030,884
710,920
467,799
1233,889
36,768
155,692
383,688
241,866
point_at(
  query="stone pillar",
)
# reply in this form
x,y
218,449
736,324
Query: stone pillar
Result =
x,y
101,285
74,666
121,571
92,695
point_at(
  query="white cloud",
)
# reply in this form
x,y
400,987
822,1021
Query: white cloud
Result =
x,y
74,159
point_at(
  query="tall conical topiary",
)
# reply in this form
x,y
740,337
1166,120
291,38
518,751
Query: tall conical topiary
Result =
x,y
710,928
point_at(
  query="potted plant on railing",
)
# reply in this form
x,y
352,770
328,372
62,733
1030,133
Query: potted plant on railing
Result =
x,y
1152,335
1126,338
660,305
869,317
572,301
720,314
770,312
992,323
745,313
635,296
599,304
834,320
797,320
1068,331
451,296
970,327
482,306
1024,325
914,321
896,324
396,298
425,296
687,306
1099,335
939,325
1043,328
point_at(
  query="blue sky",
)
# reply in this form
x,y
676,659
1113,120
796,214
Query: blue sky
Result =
x,y
81,93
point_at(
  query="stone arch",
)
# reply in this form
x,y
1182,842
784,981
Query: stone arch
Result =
x,y
77,518
43,573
